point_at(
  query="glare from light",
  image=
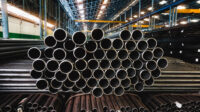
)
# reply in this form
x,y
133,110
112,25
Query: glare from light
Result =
x,y
162,2
82,16
166,25
183,22
105,1
198,1
146,19
179,105
156,16
135,16
79,1
141,22
103,7
81,12
100,12
142,12
181,7
131,18
194,20
150,9
80,6
126,20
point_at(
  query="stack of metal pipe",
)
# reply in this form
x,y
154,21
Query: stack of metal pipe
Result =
x,y
30,103
174,103
106,103
14,48
101,65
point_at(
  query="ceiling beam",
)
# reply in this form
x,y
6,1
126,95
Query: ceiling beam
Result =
x,y
99,21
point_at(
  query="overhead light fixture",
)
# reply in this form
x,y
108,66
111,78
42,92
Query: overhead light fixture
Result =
x,y
183,22
141,22
135,16
156,16
150,9
166,25
130,18
194,20
81,11
103,7
80,6
105,1
79,1
146,19
142,12
198,1
100,12
181,7
162,2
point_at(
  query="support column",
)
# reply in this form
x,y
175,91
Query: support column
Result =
x,y
40,14
4,19
45,18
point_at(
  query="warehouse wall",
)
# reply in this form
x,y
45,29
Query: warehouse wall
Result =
x,y
19,28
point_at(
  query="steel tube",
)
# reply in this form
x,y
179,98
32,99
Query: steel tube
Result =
x,y
105,44
162,63
104,64
39,65
99,54
115,82
158,52
116,63
52,65
81,65
79,38
149,82
110,73
81,83
61,35
74,76
69,45
92,82
147,55
130,45
103,83
69,84
48,52
156,73
138,64
56,84
134,55
86,89
97,34
117,44
93,64
125,83
60,76
134,80
50,41
111,54
145,75
108,90
34,53
59,54
98,74
42,84
152,43
151,65
97,92
139,86
48,74
119,91
79,53
91,46
126,63
123,54
87,73
66,66
142,45
137,35
131,72
121,74
35,74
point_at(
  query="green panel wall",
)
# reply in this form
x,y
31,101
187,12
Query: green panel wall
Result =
x,y
20,36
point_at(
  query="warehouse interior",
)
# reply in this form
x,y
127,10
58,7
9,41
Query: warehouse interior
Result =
x,y
100,56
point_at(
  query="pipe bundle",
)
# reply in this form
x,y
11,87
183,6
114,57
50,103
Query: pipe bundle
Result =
x,y
30,103
106,103
101,65
174,103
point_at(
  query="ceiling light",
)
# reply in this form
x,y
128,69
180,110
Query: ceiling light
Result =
x,y
150,9
194,20
141,22
198,1
80,6
166,25
81,11
131,18
183,22
126,20
162,2
82,16
181,7
146,19
103,7
142,12
135,16
100,12
156,16
79,1
105,1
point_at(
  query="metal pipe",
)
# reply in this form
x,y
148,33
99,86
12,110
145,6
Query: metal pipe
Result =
x,y
117,44
109,73
151,65
131,72
34,53
92,82
147,55
134,55
79,53
69,84
103,83
83,103
116,63
52,65
55,84
121,74
108,90
137,35
97,92
81,83
35,74
93,64
48,74
81,64
99,54
74,76
130,45
50,41
134,80
122,54
105,44
126,82
138,64
69,45
149,82
42,84
87,73
152,43
86,89
79,38
139,86
111,54
48,52
66,66
145,75
158,52
98,74
59,54
97,34
115,82
104,64
39,65
60,35
126,63
91,46
118,91
156,73
142,45
162,63
94,104
60,76
4,19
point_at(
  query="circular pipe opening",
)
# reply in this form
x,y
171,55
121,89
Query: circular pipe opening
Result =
x,y
103,83
50,41
151,65
116,63
121,74
42,84
39,65
81,83
119,91
126,63
130,45
134,55
35,74
48,53
99,54
52,65
59,54
134,80
108,90
69,45
105,64
137,64
152,43
131,72
158,52
139,87
98,74
105,43
142,45
91,46
86,89
110,73
145,75
125,35
123,54
34,53
93,64
81,65
79,38
97,92
56,84
126,82
147,55
111,54
79,53
66,66
60,76
117,44
87,73
49,74
114,82
97,34
92,82
74,76
156,73
60,35
149,82
137,35
68,83
162,63
75,89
